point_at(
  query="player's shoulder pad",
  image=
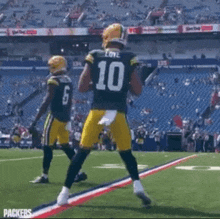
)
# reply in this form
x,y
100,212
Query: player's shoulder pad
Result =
x,y
92,54
53,80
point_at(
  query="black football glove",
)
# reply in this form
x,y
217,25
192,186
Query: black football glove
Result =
x,y
32,127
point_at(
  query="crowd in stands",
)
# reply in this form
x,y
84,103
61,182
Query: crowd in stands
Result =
x,y
99,13
185,92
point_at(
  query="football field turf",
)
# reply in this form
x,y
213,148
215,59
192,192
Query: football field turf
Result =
x,y
174,192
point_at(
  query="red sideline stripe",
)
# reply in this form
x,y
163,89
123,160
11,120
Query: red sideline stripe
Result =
x,y
92,194
166,166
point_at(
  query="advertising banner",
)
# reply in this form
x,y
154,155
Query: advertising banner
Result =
x,y
160,29
191,28
44,32
95,31
68,31
200,28
151,30
134,30
3,32
22,32
170,29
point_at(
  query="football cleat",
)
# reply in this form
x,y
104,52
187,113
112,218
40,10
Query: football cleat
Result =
x,y
40,179
114,33
145,200
62,198
139,192
57,64
80,177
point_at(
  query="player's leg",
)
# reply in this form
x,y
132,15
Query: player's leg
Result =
x,y
90,134
49,139
63,137
68,151
121,134
47,158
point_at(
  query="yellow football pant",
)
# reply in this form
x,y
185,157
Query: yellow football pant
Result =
x,y
55,130
119,129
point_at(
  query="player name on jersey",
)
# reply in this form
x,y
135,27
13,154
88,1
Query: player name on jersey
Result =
x,y
112,54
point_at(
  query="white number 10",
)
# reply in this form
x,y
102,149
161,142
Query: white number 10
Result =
x,y
101,86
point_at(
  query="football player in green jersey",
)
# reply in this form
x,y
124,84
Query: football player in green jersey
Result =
x,y
110,73
59,98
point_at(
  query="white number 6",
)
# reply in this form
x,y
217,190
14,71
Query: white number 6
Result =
x,y
66,95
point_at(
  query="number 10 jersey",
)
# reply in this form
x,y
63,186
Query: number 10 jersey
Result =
x,y
111,73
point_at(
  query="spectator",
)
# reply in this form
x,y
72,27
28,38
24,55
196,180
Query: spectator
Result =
x,y
140,139
157,137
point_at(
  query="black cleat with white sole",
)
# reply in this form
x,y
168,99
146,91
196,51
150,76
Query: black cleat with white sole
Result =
x,y
40,179
80,177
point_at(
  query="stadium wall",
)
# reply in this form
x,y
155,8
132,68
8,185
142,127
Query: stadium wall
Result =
x,y
172,63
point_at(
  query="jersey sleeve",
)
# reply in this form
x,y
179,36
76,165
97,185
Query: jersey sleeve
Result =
x,y
134,61
52,81
90,57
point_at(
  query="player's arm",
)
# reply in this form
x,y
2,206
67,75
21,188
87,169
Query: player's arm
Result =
x,y
46,102
135,83
85,83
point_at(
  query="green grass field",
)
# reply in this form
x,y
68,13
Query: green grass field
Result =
x,y
175,192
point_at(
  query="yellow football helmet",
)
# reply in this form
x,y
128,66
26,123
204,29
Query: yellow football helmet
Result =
x,y
57,64
114,33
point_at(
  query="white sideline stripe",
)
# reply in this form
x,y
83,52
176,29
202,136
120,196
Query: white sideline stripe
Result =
x,y
50,208
28,158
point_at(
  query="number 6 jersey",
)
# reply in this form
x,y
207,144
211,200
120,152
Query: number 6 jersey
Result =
x,y
61,103
111,72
